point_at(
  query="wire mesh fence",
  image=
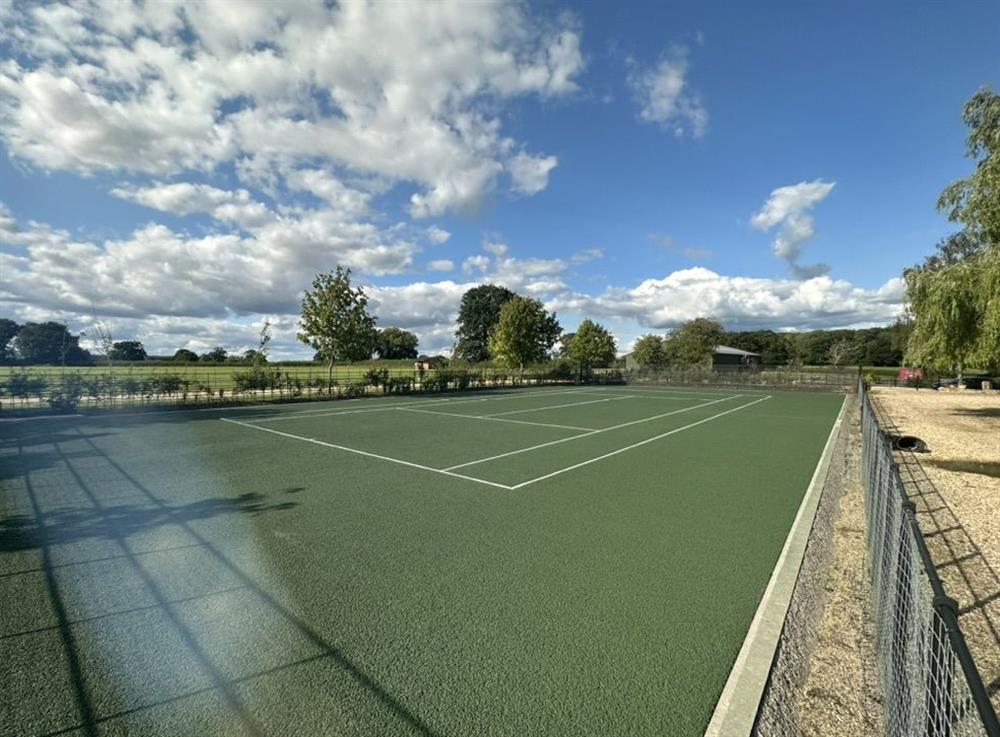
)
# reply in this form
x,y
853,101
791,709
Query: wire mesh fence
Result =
x,y
747,377
930,681
30,389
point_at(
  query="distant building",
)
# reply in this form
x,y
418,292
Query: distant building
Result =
x,y
725,356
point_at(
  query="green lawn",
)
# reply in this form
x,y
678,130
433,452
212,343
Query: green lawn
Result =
x,y
316,569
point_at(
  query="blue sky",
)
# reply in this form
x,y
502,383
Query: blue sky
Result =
x,y
181,172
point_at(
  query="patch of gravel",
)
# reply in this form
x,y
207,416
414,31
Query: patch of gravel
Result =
x,y
824,679
958,503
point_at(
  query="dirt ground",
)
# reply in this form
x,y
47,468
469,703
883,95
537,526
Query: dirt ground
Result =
x,y
956,487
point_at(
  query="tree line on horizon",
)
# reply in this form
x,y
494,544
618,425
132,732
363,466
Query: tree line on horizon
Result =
x,y
951,320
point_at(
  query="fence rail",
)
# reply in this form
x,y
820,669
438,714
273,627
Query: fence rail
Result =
x,y
928,676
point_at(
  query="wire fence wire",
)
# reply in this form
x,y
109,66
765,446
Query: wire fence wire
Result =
x,y
931,684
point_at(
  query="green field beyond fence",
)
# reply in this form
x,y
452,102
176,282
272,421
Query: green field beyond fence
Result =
x,y
555,561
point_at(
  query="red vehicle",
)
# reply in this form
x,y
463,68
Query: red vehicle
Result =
x,y
906,374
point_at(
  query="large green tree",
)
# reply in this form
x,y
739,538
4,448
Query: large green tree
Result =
x,y
49,342
127,350
395,343
975,200
335,321
185,355
478,315
693,342
592,346
524,333
649,352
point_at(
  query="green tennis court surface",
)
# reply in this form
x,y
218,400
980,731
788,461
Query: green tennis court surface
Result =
x,y
559,561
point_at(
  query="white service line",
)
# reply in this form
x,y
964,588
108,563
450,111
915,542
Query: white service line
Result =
x,y
447,401
641,442
365,453
557,406
494,419
592,432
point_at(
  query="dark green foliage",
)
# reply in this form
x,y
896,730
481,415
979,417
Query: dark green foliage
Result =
x,y
216,355
49,342
592,346
524,334
775,349
395,343
693,343
478,314
183,355
127,350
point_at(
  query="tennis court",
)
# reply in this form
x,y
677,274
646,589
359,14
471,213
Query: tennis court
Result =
x,y
550,561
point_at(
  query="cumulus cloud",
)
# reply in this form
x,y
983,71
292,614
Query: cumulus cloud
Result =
x,y
442,264
664,96
184,198
790,210
586,254
437,235
169,88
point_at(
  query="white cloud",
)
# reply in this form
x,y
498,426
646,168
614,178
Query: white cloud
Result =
x,y
665,97
530,174
790,208
404,92
587,254
497,249
184,198
442,264
437,235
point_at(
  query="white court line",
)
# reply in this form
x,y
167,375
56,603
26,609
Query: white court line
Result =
x,y
641,442
494,419
557,406
592,432
447,401
365,453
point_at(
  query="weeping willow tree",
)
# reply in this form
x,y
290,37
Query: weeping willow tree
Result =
x,y
955,295
950,312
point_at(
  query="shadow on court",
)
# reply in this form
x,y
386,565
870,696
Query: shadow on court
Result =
x,y
49,527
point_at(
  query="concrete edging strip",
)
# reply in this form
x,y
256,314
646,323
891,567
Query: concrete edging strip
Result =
x,y
736,711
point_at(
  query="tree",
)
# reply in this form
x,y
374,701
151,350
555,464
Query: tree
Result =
x,y
945,326
183,354
8,331
127,350
565,342
954,249
478,314
592,346
844,352
774,348
649,352
217,355
395,343
49,342
694,342
974,201
335,321
524,333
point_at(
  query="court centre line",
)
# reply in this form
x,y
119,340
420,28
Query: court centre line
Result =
x,y
641,442
557,406
446,401
365,453
592,432
494,419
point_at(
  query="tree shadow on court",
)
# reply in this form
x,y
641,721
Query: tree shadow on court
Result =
x,y
967,574
116,523
978,412
68,525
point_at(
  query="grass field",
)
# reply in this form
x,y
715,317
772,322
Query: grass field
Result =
x,y
578,561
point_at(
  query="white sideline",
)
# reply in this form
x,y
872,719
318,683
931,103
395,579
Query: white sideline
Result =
x,y
641,442
736,710
592,432
446,401
559,406
365,453
494,419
